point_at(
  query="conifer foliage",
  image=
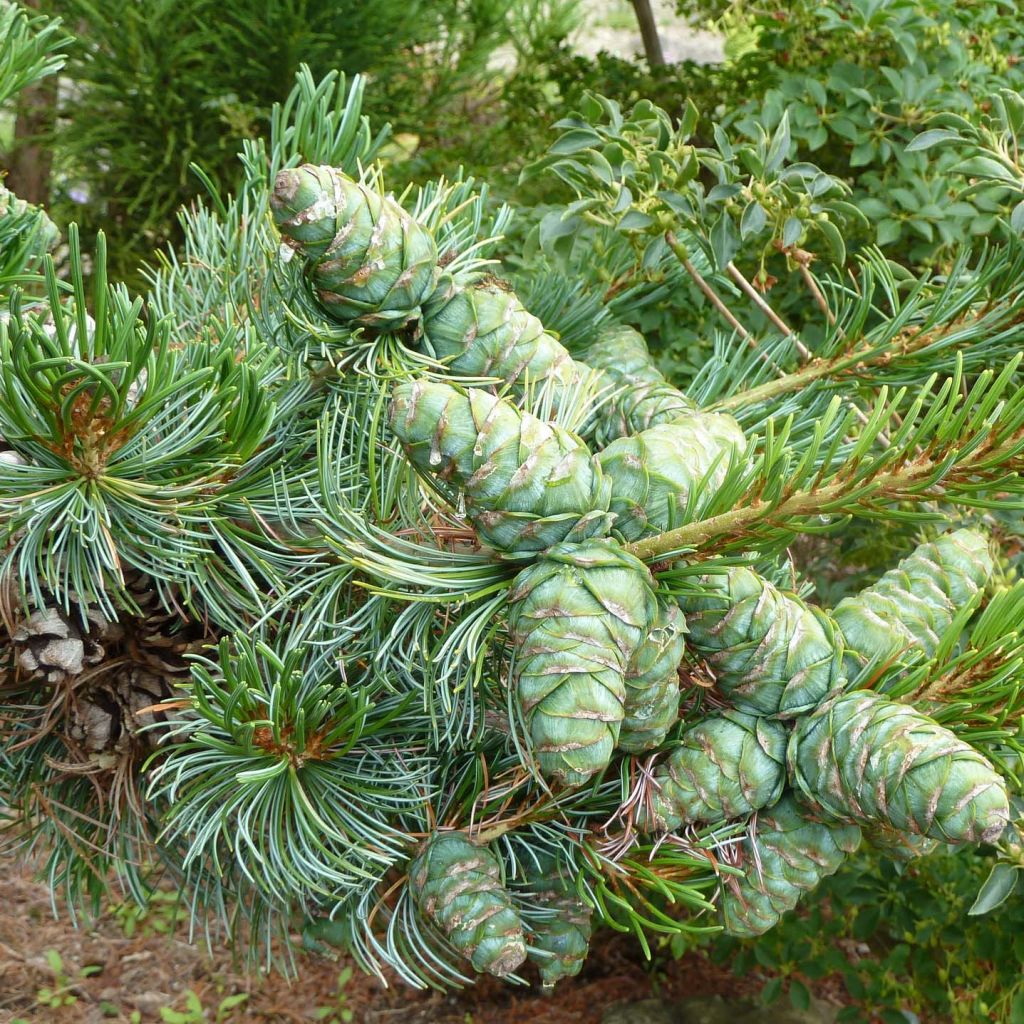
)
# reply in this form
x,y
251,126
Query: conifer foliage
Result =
x,y
365,600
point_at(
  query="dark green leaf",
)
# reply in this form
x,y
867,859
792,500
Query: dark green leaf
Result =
x,y
574,141
725,242
996,889
799,995
779,148
932,137
753,220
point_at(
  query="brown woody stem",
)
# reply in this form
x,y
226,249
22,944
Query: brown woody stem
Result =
x,y
759,301
714,298
816,292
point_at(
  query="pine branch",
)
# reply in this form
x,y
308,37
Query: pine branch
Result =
x,y
124,441
965,450
976,687
972,314
29,49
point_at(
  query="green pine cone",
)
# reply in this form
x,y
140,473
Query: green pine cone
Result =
x,y
565,933
566,937
528,485
785,855
577,616
911,606
483,330
656,475
652,682
644,398
369,262
622,352
457,885
727,766
21,222
771,653
867,759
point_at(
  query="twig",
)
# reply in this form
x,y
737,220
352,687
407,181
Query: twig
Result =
x,y
805,353
819,298
758,300
905,480
715,299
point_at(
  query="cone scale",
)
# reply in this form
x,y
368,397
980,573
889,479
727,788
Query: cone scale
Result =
x,y
528,485
771,653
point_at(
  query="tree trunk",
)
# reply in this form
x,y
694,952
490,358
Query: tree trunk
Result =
x,y
30,161
649,33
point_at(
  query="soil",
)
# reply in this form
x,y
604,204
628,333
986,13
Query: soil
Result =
x,y
148,971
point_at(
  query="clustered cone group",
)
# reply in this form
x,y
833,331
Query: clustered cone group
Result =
x,y
786,744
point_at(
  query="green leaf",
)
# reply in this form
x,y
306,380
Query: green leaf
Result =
x,y
862,154
1017,218
932,137
778,150
554,228
725,242
996,889
985,167
791,231
574,141
635,220
834,239
753,220
1017,1009
887,232
799,995
771,992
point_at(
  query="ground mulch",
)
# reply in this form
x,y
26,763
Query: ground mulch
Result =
x,y
146,972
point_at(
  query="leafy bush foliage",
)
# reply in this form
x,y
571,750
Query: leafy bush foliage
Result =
x,y
859,79
902,942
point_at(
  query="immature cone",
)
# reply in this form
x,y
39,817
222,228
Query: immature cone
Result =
x,y
652,682
369,262
771,653
911,606
483,330
663,477
577,617
21,222
786,853
643,398
868,759
560,941
528,485
457,885
726,766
